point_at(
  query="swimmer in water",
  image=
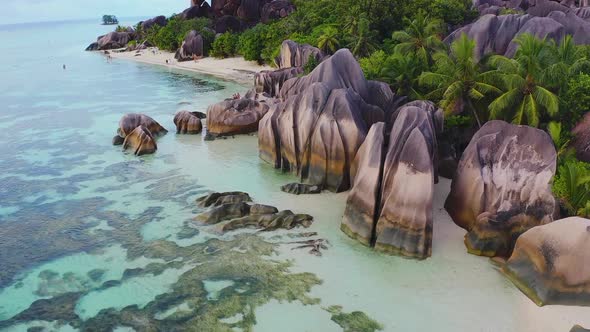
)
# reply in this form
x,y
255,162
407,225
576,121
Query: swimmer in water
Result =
x,y
64,66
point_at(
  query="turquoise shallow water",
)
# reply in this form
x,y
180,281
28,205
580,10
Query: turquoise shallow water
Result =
x,y
101,234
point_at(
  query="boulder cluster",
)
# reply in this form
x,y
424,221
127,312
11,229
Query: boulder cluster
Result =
x,y
495,33
138,132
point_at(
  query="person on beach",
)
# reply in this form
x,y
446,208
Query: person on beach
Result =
x,y
167,62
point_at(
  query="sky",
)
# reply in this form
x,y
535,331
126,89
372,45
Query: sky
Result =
x,y
22,11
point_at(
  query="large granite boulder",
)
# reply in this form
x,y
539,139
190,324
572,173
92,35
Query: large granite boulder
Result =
x,y
228,23
130,121
141,141
321,120
551,263
271,81
158,20
276,9
581,141
496,34
202,10
297,55
188,122
235,116
192,46
114,40
380,210
502,186
225,7
249,10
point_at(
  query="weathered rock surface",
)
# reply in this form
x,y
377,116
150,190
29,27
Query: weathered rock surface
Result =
x,y
581,141
133,120
217,199
297,55
193,45
235,116
275,10
317,128
228,23
231,211
551,263
112,40
188,122
141,141
502,186
363,201
158,20
380,210
271,81
301,189
202,10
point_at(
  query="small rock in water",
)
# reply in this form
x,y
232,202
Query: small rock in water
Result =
x,y
316,245
301,189
216,199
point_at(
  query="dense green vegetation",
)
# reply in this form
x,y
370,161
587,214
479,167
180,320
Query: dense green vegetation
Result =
x,y
170,37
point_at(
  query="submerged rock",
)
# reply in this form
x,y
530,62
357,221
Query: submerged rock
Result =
x,y
231,211
301,189
380,210
551,263
188,122
141,141
192,46
502,186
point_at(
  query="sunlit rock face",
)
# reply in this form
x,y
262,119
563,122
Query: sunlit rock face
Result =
x,y
140,141
502,186
235,116
188,122
133,120
297,55
321,119
551,263
191,47
390,204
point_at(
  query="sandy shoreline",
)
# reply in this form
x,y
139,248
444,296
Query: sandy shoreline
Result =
x,y
235,69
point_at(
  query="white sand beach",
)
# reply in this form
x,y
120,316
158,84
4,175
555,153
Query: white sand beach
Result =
x,y
235,69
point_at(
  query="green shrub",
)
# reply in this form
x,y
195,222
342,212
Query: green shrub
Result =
x,y
171,36
571,185
226,45
576,100
310,65
373,65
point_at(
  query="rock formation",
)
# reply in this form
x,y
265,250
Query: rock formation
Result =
x,y
551,263
133,120
581,141
158,20
200,10
231,211
235,116
301,189
321,120
112,40
543,18
271,81
228,23
192,46
380,210
276,9
188,122
502,186
141,141
297,55
137,132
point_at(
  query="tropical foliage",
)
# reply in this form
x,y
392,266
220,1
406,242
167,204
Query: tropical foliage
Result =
x,y
109,19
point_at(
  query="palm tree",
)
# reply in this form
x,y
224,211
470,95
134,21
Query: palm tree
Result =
x,y
458,81
525,83
402,72
363,43
328,41
421,38
568,60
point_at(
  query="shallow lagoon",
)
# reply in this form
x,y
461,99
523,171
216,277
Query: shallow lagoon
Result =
x,y
91,228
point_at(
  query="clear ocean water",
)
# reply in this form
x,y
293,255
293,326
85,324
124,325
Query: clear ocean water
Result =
x,y
94,238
